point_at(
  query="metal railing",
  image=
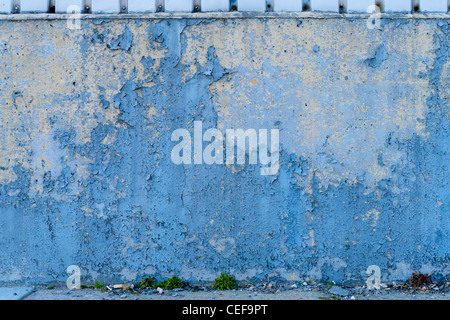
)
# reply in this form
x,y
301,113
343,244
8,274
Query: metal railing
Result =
x,y
143,6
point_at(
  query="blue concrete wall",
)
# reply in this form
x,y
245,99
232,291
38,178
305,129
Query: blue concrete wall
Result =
x,y
86,176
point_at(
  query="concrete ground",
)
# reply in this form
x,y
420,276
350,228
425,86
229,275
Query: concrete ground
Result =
x,y
61,292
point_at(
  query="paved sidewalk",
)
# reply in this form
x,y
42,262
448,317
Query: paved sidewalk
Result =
x,y
308,293
15,293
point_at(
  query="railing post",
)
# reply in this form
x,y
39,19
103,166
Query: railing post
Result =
x,y
380,5
197,5
306,6
342,6
160,5
123,6
415,6
51,6
87,6
269,5
15,6
233,5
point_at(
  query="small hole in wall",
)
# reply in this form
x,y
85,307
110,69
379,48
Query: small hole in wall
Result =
x,y
416,8
306,7
234,8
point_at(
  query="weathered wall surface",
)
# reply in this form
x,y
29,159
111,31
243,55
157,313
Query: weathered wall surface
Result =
x,y
86,176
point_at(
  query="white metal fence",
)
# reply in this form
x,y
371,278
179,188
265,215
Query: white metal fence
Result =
x,y
135,6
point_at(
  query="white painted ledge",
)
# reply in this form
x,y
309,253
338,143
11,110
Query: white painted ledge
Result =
x,y
325,6
135,6
61,6
227,15
359,5
32,6
105,6
433,5
179,5
397,6
215,5
252,5
5,6
287,6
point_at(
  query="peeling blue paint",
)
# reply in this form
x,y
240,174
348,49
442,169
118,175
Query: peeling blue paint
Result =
x,y
123,42
381,55
136,212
